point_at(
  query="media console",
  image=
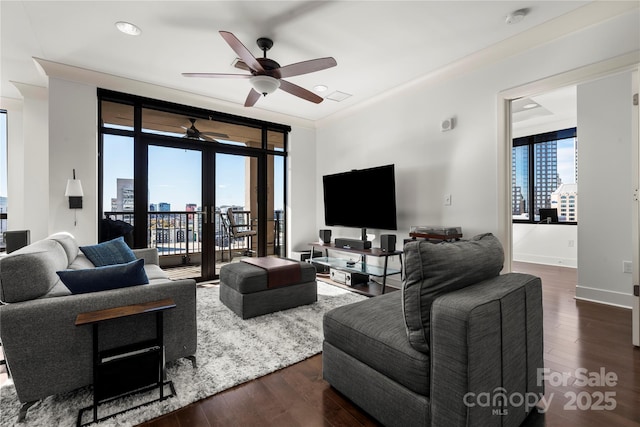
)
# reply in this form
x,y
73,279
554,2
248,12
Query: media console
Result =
x,y
361,267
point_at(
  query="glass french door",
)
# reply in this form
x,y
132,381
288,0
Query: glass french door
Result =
x,y
236,208
175,216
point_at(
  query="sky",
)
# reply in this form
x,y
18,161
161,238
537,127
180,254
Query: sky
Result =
x,y
175,175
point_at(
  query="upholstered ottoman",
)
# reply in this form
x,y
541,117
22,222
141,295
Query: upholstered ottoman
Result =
x,y
251,290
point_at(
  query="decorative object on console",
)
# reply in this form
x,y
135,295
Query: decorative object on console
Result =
x,y
435,232
325,236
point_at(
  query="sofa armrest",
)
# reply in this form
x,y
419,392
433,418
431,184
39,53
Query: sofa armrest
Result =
x,y
487,339
150,255
47,354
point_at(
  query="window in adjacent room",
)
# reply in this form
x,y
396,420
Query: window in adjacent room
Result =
x,y
544,175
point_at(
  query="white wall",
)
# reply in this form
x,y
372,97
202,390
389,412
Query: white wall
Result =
x,y
73,144
403,128
301,172
604,179
28,154
551,244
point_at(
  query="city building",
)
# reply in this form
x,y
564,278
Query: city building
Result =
x,y
565,199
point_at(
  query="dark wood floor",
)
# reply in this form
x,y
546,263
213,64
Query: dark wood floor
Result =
x,y
577,335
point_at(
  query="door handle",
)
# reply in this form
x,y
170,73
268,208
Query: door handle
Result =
x,y
205,211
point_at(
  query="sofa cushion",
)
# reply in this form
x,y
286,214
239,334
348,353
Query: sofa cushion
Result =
x,y
30,272
112,252
105,277
433,269
373,332
68,243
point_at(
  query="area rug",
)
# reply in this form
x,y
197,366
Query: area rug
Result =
x,y
230,351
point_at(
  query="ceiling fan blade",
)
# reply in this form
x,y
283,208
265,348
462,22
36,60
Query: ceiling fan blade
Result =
x,y
253,97
300,92
305,67
242,51
218,75
206,137
241,65
215,134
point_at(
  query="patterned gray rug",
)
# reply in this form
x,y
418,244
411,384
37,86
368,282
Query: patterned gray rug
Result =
x,y
230,351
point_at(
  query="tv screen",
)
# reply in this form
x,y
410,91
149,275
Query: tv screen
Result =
x,y
363,198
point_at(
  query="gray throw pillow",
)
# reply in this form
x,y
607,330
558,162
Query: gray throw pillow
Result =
x,y
433,269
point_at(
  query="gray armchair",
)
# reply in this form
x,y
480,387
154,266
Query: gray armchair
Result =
x,y
457,331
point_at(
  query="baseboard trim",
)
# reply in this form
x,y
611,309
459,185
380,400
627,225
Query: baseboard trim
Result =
x,y
616,299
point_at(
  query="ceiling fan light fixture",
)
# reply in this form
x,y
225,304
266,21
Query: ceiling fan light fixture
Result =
x,y
265,84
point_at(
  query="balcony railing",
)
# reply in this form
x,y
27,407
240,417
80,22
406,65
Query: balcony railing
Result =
x,y
179,233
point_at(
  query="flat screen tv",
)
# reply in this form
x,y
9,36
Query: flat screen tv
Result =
x,y
364,198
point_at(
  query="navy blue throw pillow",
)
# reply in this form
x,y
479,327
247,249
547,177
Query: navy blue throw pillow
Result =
x,y
104,278
112,252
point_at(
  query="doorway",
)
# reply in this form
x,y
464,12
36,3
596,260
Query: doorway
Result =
x,y
589,77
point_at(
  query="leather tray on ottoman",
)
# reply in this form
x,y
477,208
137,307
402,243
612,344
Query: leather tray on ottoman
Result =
x,y
244,289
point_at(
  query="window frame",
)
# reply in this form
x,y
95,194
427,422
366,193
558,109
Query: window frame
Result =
x,y
531,141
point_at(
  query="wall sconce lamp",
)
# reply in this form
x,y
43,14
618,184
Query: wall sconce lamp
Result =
x,y
74,192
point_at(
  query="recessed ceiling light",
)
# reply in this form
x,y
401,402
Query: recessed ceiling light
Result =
x,y
320,88
517,16
529,106
128,28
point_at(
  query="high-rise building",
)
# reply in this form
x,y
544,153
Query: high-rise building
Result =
x,y
565,199
520,181
546,178
124,199
164,207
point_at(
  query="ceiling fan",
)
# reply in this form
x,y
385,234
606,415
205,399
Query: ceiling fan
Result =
x,y
193,133
266,74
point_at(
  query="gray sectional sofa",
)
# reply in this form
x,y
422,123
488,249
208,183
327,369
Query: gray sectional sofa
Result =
x,y
45,352
458,333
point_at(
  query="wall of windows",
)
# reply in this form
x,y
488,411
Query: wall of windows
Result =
x,y
171,172
544,175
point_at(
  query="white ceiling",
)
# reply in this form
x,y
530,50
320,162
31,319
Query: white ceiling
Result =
x,y
378,45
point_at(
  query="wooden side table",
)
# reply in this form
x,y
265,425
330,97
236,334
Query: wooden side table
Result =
x,y
130,369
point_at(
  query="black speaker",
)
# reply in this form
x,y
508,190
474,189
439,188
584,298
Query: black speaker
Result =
x,y
388,242
325,236
357,244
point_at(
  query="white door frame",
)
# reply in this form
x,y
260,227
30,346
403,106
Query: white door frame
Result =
x,y
623,63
